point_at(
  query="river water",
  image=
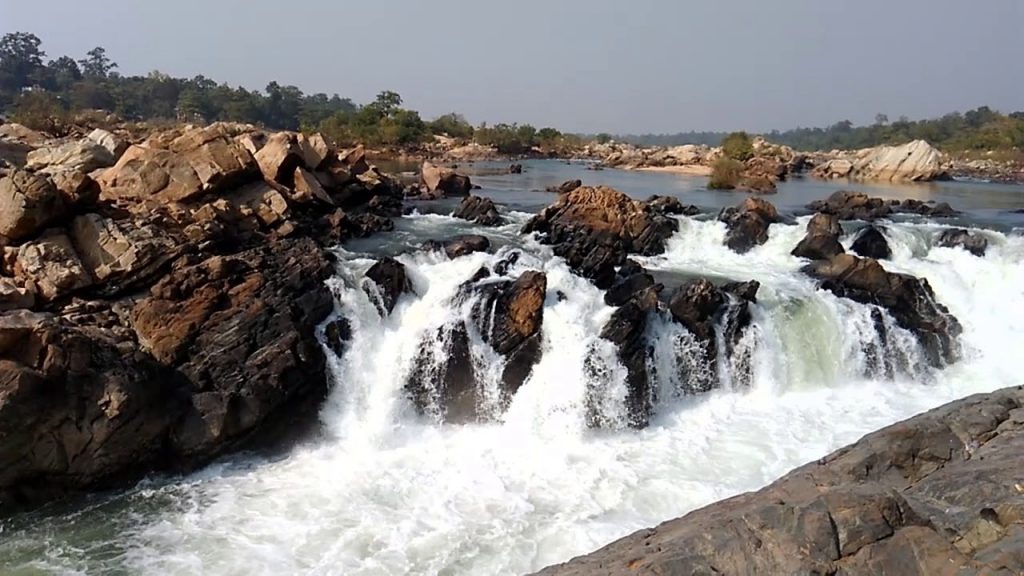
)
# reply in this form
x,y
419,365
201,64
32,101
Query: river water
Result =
x,y
383,490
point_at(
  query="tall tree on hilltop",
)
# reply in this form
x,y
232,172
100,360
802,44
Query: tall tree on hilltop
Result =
x,y
21,60
96,64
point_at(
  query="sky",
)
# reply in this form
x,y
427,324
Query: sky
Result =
x,y
619,66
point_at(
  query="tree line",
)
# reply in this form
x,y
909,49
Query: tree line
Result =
x,y
46,95
978,129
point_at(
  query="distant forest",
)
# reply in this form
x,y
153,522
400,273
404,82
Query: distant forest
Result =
x,y
49,94
978,129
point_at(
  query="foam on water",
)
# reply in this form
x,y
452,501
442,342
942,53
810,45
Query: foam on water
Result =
x,y
387,491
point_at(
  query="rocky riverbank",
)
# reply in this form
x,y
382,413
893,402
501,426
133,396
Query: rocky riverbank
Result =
x,y
940,493
161,301
915,161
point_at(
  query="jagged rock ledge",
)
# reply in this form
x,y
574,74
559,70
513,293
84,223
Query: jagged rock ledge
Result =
x,y
940,493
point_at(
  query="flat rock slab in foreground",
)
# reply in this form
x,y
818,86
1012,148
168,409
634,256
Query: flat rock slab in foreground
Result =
x,y
941,493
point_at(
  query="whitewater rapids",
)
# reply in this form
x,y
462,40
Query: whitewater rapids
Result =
x,y
386,491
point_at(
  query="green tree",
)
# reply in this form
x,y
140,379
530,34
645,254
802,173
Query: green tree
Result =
x,y
65,73
726,174
40,110
96,64
453,125
738,146
21,59
603,138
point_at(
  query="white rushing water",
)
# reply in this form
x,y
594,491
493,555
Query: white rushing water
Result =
x,y
387,491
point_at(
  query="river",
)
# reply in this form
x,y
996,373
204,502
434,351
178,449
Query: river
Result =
x,y
382,490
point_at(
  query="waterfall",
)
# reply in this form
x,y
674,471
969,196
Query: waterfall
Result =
x,y
390,490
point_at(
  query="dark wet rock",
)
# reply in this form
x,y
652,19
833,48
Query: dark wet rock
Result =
x,y
672,205
108,424
748,223
385,283
565,187
909,300
479,210
939,210
515,169
625,287
503,265
958,237
849,205
626,329
935,494
630,267
822,239
824,224
458,246
508,316
594,229
743,290
338,334
871,243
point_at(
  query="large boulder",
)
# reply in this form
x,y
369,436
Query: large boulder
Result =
x,y
83,155
196,162
479,210
565,187
458,246
747,224
848,205
822,239
28,203
121,255
14,296
706,310
446,383
958,237
672,205
936,494
594,229
113,144
443,181
627,330
241,330
909,300
51,263
385,282
915,161
80,408
871,243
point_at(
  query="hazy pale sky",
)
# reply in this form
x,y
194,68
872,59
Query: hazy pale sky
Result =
x,y
579,65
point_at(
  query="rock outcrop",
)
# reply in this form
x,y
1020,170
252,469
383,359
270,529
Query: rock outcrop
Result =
x,y
441,182
507,315
565,187
385,283
937,494
822,239
594,229
909,300
960,238
748,223
479,210
847,205
871,243
458,246
915,161
168,312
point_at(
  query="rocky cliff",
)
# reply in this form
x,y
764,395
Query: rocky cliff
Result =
x,y
941,493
